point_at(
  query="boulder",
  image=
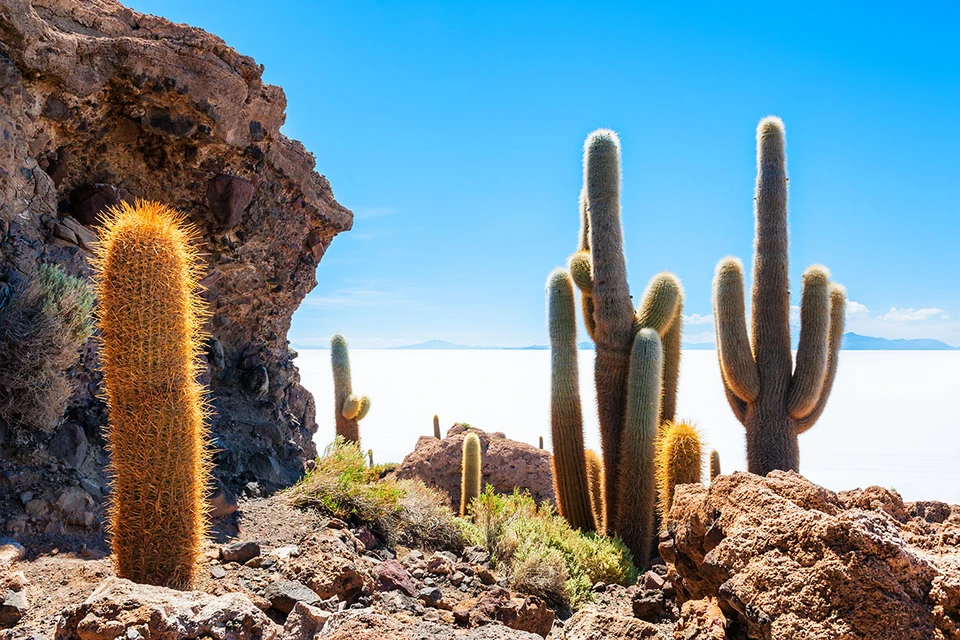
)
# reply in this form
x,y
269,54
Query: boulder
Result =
x,y
785,558
497,605
391,576
506,464
13,598
593,624
120,608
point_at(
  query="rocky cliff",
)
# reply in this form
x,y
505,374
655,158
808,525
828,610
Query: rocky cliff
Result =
x,y
98,104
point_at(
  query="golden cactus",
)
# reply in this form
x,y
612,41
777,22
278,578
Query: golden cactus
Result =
x,y
679,461
595,482
150,316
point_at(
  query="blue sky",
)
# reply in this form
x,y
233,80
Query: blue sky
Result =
x,y
454,132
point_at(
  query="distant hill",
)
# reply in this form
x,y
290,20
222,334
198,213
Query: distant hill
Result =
x,y
856,342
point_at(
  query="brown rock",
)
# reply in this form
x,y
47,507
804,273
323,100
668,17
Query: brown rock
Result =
x,y
701,620
239,551
285,594
593,624
497,605
506,464
377,626
304,622
119,606
13,599
391,576
785,558
228,197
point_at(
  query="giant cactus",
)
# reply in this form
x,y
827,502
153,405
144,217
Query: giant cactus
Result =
x,y
150,317
348,408
599,270
566,417
472,471
774,401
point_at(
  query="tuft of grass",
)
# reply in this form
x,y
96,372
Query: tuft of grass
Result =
x,y
397,511
541,554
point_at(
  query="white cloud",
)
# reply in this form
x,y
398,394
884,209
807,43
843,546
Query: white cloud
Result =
x,y
705,337
794,313
914,315
857,310
696,318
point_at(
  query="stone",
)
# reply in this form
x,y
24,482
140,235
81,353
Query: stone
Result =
x,y
222,501
439,565
475,555
69,445
286,552
14,593
528,613
487,576
701,620
285,594
649,604
507,464
430,596
785,558
228,197
367,538
217,572
652,580
162,614
239,551
592,624
89,201
391,576
11,551
304,622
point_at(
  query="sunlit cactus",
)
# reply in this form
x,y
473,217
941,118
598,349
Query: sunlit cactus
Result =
x,y
714,464
471,468
349,409
436,427
150,316
679,461
775,401
595,483
566,417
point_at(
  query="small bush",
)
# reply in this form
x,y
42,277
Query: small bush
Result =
x,y
42,326
541,554
398,511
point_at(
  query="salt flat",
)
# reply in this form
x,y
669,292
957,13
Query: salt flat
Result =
x,y
891,420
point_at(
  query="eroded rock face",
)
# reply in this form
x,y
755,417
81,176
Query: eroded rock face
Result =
x,y
785,558
505,463
101,104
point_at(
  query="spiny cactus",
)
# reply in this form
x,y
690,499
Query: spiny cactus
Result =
x,y
714,464
595,482
679,461
436,427
348,408
470,480
636,490
150,317
541,443
370,457
774,401
566,417
599,270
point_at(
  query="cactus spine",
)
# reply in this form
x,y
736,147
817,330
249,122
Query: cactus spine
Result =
x,y
348,408
714,464
599,270
470,480
566,417
595,482
679,461
150,317
436,427
774,401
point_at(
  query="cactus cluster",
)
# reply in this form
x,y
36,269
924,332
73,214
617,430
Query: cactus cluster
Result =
x,y
775,401
635,370
349,409
471,468
150,316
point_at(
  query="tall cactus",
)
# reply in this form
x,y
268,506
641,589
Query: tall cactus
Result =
x,y
150,317
599,270
348,408
679,461
566,417
637,485
714,464
436,427
472,471
595,482
774,401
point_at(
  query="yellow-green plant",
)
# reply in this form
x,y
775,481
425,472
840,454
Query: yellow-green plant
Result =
x,y
774,401
348,408
714,464
471,468
679,461
150,315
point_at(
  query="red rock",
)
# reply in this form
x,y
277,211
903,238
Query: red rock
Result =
x,y
497,605
593,624
391,576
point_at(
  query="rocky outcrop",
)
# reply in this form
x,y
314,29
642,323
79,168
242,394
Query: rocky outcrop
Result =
x,y
506,464
781,557
99,104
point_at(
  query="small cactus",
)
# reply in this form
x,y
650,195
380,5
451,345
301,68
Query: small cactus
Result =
x,y
595,482
150,315
436,427
679,461
714,464
775,401
348,408
370,457
470,480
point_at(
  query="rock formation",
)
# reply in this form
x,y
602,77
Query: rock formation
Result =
x,y
98,104
784,558
505,464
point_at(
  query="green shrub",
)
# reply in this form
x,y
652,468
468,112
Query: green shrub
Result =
x,y
541,554
43,323
398,511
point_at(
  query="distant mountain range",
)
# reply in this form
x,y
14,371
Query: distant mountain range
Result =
x,y
851,342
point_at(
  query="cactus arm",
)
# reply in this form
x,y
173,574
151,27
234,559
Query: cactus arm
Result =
x,y
364,408
659,304
770,307
738,406
838,309
583,243
595,481
636,495
566,416
581,271
739,370
672,346
351,406
811,369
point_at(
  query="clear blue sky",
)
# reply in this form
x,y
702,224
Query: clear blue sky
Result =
x,y
453,130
